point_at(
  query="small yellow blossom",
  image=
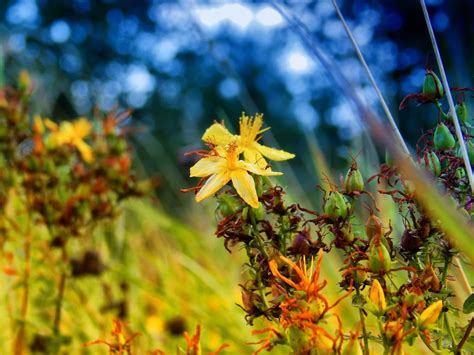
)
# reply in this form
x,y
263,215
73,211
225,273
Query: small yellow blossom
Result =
x,y
250,130
72,133
377,297
38,126
24,80
224,167
430,315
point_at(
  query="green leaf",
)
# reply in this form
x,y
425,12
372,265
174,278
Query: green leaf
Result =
x,y
468,306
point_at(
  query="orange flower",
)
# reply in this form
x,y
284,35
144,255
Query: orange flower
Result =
x,y
306,283
122,342
303,310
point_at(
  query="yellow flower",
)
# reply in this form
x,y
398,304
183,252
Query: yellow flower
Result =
x,y
377,297
73,134
226,166
38,126
430,315
250,130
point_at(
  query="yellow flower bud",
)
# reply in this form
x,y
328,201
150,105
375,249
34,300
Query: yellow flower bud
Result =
x,y
24,80
430,315
38,126
377,297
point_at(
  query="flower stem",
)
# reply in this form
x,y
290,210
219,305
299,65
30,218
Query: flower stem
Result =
x,y
448,327
364,329
20,339
465,336
61,288
256,234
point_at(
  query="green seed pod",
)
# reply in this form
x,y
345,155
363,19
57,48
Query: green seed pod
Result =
x,y
461,111
470,151
373,226
227,205
354,181
379,258
443,138
359,277
431,161
348,233
460,173
432,85
336,206
259,212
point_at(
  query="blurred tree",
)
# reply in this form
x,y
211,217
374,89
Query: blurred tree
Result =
x,y
182,64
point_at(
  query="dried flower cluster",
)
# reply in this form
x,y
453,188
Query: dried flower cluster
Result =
x,y
58,181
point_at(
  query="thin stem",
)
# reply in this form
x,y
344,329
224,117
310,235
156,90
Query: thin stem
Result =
x,y
20,339
465,336
391,120
428,345
59,300
256,234
452,109
364,329
448,327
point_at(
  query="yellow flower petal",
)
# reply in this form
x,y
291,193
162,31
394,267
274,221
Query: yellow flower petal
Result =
x,y
85,150
38,126
254,157
66,133
82,128
273,154
377,296
245,187
217,134
207,166
257,170
430,315
212,185
52,126
250,128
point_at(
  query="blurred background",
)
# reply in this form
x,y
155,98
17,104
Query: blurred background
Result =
x,y
180,65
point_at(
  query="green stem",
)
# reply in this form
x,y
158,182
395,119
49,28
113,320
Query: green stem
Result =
x,y
440,109
364,329
450,331
429,346
261,290
256,234
61,288
20,339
